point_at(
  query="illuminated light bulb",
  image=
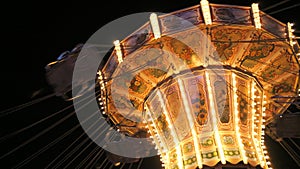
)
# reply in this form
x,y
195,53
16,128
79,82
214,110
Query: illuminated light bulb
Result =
x,y
206,12
255,11
117,164
155,25
118,50
262,164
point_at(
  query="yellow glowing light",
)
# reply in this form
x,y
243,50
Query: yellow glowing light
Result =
x,y
172,129
290,33
253,106
157,139
236,119
255,11
191,122
155,25
214,119
118,50
206,12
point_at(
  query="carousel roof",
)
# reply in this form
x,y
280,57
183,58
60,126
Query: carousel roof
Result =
x,y
233,40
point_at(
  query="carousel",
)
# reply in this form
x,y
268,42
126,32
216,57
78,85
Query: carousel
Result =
x,y
205,80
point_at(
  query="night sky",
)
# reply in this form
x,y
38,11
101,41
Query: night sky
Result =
x,y
35,34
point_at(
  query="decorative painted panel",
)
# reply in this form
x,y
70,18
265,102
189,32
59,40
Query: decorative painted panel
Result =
x,y
226,42
231,14
222,95
180,20
111,65
272,25
243,100
176,111
137,39
198,101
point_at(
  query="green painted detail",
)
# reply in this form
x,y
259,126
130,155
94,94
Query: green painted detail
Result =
x,y
209,155
156,72
207,142
250,155
256,53
243,110
199,104
182,50
137,86
174,156
231,152
188,147
228,140
190,160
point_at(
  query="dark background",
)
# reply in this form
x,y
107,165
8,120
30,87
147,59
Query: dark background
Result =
x,y
35,33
